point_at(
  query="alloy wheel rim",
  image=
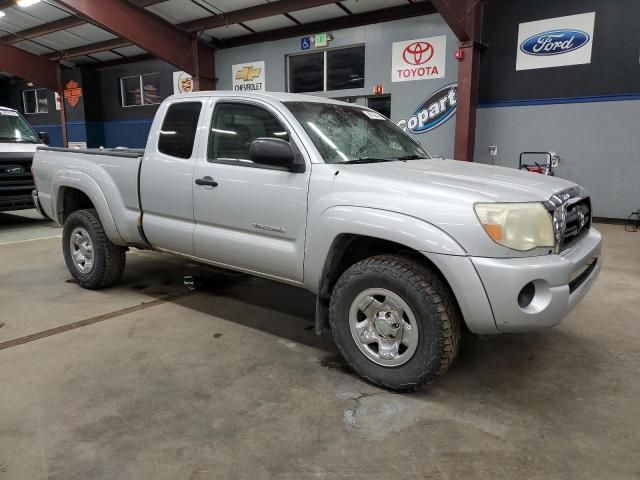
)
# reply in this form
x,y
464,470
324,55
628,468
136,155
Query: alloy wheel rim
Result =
x,y
82,253
383,327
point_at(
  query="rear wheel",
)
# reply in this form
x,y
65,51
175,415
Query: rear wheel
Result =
x,y
395,322
92,259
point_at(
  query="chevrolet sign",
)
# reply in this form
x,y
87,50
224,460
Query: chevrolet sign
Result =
x,y
248,73
248,77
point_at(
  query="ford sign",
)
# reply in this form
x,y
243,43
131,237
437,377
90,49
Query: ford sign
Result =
x,y
433,112
555,42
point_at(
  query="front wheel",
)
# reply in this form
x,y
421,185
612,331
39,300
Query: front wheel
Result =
x,y
92,259
395,322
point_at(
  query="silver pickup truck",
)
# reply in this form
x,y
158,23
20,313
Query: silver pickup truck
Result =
x,y
402,250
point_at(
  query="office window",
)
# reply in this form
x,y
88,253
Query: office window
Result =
x,y
35,101
306,73
381,104
140,90
179,129
345,68
335,69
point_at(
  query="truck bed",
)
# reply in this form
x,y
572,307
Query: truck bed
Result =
x,y
108,176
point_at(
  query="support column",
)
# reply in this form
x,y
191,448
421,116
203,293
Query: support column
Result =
x,y
464,17
468,81
63,115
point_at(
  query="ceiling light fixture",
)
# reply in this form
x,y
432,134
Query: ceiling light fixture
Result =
x,y
27,3
2,14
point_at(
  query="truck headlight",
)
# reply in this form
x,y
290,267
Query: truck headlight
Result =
x,y
520,226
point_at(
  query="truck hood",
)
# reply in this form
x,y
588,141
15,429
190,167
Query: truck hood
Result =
x,y
9,147
442,193
469,181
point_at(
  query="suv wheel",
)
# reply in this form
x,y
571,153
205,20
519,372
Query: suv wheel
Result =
x,y
90,256
395,322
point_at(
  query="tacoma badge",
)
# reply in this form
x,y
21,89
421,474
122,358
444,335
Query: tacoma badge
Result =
x,y
269,228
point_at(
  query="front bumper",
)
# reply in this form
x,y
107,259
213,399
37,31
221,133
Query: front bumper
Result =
x,y
15,202
560,282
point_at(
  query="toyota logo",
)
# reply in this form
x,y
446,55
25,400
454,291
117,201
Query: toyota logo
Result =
x,y
418,53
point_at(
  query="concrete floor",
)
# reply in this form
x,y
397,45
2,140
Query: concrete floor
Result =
x,y
156,382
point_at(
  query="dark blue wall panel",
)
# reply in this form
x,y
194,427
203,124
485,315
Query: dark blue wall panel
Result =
x,y
128,133
614,69
77,131
54,131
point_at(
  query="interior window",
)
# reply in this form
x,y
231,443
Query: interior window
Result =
x,y
140,90
235,126
179,129
381,104
327,70
35,101
345,68
306,73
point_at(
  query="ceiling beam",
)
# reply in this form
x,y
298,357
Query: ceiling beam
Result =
x,y
89,49
31,67
356,20
278,7
121,61
44,29
139,27
146,3
56,25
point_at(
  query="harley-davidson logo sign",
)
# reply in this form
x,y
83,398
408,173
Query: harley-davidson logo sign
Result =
x,y
73,93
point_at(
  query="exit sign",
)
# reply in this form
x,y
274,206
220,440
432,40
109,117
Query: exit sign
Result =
x,y
320,40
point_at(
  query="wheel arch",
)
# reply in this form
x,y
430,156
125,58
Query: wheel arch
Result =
x,y
331,250
80,191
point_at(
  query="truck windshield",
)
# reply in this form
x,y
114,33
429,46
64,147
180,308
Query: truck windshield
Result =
x,y
14,129
349,134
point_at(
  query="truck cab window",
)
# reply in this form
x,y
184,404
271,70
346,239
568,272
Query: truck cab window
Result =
x,y
178,130
235,126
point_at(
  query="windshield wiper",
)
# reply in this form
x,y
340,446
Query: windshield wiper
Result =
x,y
369,160
412,157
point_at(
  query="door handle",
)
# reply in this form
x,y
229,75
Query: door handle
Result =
x,y
206,181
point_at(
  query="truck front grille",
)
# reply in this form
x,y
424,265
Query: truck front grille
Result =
x,y
571,213
16,180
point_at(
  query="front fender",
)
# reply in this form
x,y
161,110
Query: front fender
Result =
x,y
395,227
87,185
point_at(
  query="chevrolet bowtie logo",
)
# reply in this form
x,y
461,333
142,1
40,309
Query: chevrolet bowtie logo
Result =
x,y
248,73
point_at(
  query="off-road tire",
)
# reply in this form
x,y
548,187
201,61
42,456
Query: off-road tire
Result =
x,y
433,306
109,259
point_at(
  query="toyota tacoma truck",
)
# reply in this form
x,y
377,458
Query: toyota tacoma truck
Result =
x,y
402,250
18,143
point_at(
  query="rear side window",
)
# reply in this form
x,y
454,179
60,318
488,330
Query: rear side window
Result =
x,y
179,129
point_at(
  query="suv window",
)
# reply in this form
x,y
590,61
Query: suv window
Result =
x,y
235,126
179,129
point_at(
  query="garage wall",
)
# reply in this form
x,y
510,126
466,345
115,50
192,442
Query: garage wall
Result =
x,y
129,126
5,92
589,114
99,117
405,96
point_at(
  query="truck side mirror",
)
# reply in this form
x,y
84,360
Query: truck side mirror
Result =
x,y
44,137
275,152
